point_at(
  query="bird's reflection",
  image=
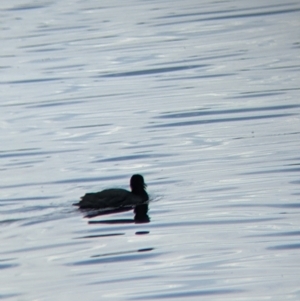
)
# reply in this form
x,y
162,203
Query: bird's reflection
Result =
x,y
140,215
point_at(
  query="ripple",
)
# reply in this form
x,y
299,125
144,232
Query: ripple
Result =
x,y
7,266
188,294
153,71
205,112
34,80
285,247
221,120
201,98
229,16
116,257
7,296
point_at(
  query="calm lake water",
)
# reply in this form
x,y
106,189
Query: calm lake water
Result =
x,y
202,98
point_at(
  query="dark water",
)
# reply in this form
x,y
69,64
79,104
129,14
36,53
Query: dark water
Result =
x,y
202,98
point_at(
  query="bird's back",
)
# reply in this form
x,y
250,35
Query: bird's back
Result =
x,y
110,198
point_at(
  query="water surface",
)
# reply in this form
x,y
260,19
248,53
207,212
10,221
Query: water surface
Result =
x,y
202,98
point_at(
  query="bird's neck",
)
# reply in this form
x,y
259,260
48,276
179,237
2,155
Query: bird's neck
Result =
x,y
138,191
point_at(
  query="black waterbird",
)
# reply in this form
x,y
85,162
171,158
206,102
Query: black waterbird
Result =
x,y
116,198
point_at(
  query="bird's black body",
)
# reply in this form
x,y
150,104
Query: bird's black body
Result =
x,y
117,198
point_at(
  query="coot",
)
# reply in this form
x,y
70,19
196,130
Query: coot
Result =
x,y
116,198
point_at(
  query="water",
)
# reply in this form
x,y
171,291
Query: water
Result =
x,y
200,97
